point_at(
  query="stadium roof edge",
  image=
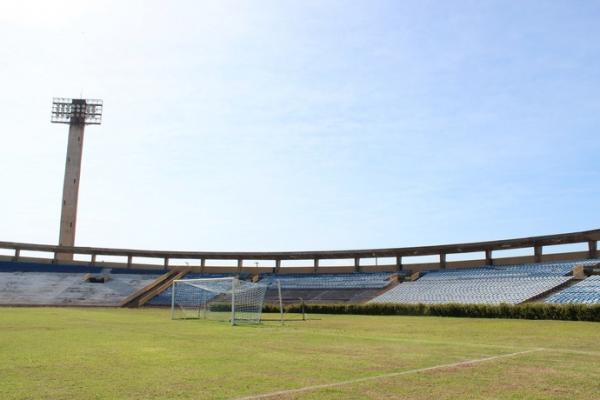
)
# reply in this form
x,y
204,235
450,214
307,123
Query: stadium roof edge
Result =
x,y
537,242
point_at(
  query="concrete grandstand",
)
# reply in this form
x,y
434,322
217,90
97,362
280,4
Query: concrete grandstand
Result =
x,y
115,277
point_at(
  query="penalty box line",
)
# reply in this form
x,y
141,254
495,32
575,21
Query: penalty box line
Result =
x,y
388,375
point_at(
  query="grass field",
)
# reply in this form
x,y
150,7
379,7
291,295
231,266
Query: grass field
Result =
x,y
69,353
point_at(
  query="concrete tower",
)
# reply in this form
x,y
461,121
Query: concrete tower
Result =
x,y
77,113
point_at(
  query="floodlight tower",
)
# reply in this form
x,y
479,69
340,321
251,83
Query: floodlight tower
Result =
x,y
77,113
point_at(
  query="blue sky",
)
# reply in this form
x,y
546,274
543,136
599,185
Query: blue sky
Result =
x,y
289,125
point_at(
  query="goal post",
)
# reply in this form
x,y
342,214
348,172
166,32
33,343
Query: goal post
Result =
x,y
221,299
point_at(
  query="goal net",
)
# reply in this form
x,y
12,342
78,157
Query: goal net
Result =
x,y
221,299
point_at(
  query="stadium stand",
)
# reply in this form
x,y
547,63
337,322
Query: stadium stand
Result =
x,y
9,266
328,281
322,296
47,284
486,285
326,288
62,288
584,292
164,298
323,288
30,283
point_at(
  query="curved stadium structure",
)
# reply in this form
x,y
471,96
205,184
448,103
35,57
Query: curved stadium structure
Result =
x,y
34,274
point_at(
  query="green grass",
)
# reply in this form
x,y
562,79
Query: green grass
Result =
x,y
70,353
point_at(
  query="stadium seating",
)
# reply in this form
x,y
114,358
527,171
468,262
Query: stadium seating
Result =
x,y
584,292
8,266
485,285
62,288
47,284
26,283
164,298
321,296
324,288
328,281
470,291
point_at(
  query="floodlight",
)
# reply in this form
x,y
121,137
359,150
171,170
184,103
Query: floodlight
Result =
x,y
78,111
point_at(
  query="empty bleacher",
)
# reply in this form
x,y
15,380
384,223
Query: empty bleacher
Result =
x,y
321,296
328,281
323,288
546,273
66,285
584,292
51,284
63,288
164,298
485,285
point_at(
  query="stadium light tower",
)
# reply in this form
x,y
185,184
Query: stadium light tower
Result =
x,y
77,113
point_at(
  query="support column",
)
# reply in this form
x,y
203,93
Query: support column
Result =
x,y
443,261
488,258
68,218
399,263
357,264
316,265
537,254
277,266
592,249
240,263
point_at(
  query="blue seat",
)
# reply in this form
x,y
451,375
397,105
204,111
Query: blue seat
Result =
x,y
358,280
510,284
584,292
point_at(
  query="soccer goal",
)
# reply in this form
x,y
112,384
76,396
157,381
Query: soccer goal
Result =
x,y
221,299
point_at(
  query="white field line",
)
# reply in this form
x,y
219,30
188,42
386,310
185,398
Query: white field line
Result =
x,y
570,351
460,344
421,341
383,376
